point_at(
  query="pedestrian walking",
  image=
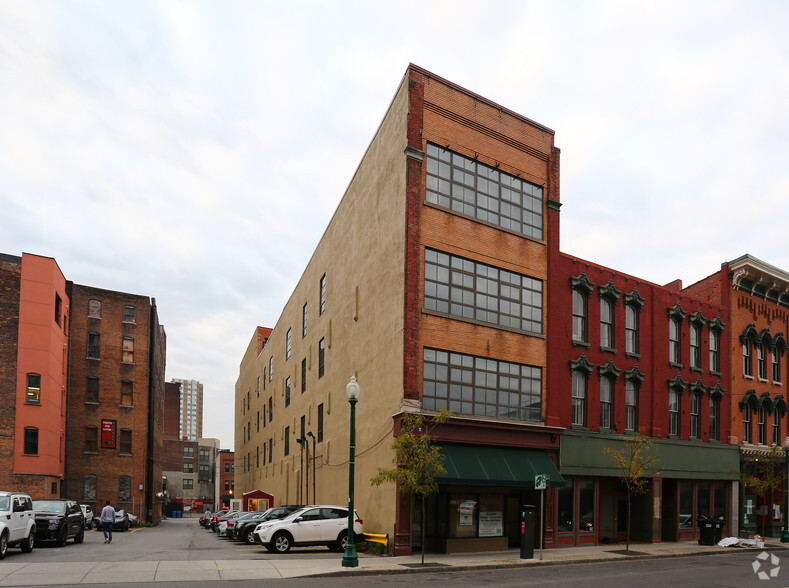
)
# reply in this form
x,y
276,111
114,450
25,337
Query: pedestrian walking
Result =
x,y
107,519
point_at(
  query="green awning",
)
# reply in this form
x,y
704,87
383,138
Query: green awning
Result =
x,y
496,466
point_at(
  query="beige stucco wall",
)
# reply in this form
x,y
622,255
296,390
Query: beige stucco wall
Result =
x,y
362,255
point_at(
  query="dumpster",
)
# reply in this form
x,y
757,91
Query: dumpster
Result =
x,y
707,530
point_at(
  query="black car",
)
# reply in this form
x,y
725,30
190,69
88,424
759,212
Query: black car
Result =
x,y
121,522
59,520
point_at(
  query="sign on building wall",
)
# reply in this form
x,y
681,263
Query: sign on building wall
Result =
x,y
108,428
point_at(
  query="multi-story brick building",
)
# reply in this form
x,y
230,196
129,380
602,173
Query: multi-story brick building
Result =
x,y
755,295
428,285
34,326
115,408
628,356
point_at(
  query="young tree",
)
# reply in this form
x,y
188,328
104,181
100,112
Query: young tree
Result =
x,y
634,463
417,462
764,474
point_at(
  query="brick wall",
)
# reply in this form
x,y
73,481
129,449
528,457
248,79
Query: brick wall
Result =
x,y
108,464
10,276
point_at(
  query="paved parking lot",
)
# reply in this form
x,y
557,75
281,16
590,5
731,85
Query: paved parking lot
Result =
x,y
172,540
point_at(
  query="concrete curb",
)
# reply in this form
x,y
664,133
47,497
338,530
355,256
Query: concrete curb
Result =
x,y
428,569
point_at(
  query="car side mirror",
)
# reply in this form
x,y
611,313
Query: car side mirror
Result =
x,y
298,519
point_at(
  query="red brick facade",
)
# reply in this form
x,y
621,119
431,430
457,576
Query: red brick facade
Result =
x,y
130,345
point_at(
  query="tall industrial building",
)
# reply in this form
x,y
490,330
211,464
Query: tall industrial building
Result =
x,y
191,409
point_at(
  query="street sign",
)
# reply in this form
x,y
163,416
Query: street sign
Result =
x,y
541,481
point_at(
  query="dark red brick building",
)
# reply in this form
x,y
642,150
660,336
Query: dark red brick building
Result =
x,y
115,408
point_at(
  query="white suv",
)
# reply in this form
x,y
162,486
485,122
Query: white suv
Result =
x,y
311,525
17,522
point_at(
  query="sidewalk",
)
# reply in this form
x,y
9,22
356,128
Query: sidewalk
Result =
x,y
293,566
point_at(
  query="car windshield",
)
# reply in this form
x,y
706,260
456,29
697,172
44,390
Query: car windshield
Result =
x,y
120,513
49,506
292,515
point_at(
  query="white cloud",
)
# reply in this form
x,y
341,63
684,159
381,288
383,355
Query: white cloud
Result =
x,y
194,151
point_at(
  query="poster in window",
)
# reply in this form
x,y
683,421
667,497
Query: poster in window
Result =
x,y
466,512
491,524
108,428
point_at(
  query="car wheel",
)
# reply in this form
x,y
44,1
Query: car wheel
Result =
x,y
3,545
281,542
80,536
27,544
249,537
342,541
62,536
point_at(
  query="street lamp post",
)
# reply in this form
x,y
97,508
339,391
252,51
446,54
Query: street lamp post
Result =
x,y
350,559
785,534
311,436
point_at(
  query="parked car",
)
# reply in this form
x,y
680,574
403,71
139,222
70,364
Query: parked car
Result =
x,y
87,512
215,518
244,528
222,523
17,522
134,520
312,525
121,522
205,519
59,520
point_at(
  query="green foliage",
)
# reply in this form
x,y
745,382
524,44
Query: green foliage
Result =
x,y
634,463
417,462
765,472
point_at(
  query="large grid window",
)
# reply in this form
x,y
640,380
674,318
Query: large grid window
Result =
x,y
466,384
606,402
470,188
473,290
631,406
579,398
673,412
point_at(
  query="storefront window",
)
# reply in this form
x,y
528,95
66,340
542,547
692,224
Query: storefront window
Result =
x,y
719,496
686,505
564,507
462,515
703,499
586,505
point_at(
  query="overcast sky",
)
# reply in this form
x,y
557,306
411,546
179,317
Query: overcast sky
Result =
x,y
195,151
